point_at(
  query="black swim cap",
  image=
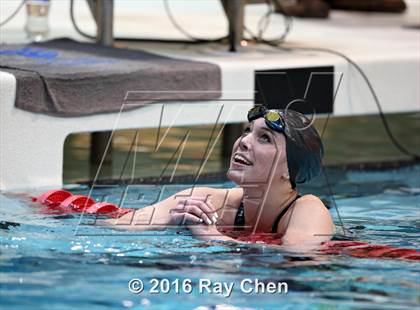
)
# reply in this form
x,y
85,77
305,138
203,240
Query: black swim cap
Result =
x,y
304,147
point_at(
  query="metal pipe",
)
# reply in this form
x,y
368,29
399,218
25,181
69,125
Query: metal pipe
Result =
x,y
104,17
104,12
235,13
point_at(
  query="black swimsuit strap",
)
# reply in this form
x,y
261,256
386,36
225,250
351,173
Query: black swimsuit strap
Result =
x,y
282,213
240,216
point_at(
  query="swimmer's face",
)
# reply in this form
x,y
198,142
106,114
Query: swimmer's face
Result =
x,y
257,154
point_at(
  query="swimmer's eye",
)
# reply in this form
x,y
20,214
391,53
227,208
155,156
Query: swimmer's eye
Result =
x,y
265,138
246,131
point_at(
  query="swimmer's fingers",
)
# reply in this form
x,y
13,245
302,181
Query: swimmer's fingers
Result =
x,y
207,208
197,211
185,218
194,210
180,207
182,214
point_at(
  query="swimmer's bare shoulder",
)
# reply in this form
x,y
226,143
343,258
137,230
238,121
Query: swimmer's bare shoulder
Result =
x,y
157,216
309,221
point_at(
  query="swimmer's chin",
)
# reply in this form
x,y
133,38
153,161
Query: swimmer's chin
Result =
x,y
236,176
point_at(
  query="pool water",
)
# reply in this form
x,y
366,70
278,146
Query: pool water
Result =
x,y
64,262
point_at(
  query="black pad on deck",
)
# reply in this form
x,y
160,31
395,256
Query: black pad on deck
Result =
x,y
67,78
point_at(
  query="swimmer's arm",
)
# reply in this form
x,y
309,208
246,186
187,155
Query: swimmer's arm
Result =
x,y
156,216
310,224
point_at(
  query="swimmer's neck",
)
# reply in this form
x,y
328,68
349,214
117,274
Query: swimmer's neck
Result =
x,y
263,204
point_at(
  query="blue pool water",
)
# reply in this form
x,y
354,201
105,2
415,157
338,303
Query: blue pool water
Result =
x,y
61,262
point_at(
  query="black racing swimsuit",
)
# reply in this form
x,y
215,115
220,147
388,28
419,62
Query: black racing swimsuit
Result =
x,y
240,216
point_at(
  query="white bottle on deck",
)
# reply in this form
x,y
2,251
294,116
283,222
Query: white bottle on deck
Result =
x,y
37,27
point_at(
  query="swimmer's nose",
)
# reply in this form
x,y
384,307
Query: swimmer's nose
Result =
x,y
244,143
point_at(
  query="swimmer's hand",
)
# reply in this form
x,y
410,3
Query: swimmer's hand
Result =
x,y
194,210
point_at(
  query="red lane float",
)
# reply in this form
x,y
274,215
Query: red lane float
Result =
x,y
357,249
102,207
110,209
65,202
76,203
53,198
366,250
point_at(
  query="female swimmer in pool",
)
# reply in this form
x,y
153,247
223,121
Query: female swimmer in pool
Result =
x,y
277,150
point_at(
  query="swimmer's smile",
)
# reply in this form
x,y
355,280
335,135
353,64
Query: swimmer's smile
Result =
x,y
241,160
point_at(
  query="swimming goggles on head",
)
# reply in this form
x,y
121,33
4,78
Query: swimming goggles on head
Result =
x,y
273,118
